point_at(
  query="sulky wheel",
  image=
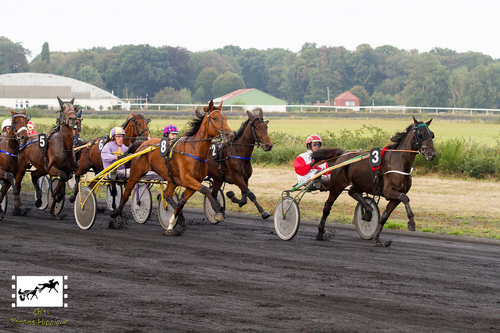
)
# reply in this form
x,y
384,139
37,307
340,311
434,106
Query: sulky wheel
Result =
x,y
5,202
366,229
209,211
43,183
286,226
117,198
59,205
165,214
85,216
142,203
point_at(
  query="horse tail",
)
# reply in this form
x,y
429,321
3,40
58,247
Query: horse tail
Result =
x,y
326,154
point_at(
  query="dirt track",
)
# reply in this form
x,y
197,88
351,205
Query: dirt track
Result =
x,y
239,277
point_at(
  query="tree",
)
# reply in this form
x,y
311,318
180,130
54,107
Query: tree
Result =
x,y
204,83
428,82
169,95
361,93
252,63
458,87
12,57
179,59
226,83
46,53
380,99
90,75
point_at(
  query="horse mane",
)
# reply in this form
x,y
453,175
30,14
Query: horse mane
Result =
x,y
400,136
240,131
126,122
195,125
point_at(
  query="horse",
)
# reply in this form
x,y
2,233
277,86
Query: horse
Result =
x,y
186,166
135,127
25,294
9,149
392,180
58,160
51,285
233,165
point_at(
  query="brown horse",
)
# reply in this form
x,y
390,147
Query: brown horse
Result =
x,y
394,176
187,166
9,151
58,160
135,127
233,164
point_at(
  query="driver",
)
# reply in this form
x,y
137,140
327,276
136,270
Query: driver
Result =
x,y
304,164
170,132
113,149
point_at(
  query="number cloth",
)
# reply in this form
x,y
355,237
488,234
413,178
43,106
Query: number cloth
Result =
x,y
381,156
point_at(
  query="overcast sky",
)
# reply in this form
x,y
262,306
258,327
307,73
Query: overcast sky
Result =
x,y
205,25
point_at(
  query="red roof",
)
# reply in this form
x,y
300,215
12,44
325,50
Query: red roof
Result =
x,y
346,95
232,95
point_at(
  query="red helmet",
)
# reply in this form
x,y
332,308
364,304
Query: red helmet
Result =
x,y
313,138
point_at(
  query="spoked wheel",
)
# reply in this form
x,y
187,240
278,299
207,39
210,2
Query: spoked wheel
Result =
x,y
164,215
209,211
43,183
117,198
85,216
286,218
142,202
366,229
59,205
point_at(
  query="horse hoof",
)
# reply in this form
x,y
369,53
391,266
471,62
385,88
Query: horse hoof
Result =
x,y
219,217
367,217
182,221
384,244
230,194
172,232
411,226
72,198
114,214
319,237
265,215
38,203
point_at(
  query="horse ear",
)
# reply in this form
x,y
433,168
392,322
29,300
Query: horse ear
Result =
x,y
24,112
210,106
261,114
12,112
250,115
72,101
220,106
415,121
61,103
429,122
133,115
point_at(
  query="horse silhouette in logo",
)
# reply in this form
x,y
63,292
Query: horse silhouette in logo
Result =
x,y
25,294
51,285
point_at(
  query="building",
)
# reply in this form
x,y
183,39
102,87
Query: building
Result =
x,y
251,99
22,90
346,99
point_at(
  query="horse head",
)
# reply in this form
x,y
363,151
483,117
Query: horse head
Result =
x,y
140,126
19,128
422,139
68,113
259,130
217,123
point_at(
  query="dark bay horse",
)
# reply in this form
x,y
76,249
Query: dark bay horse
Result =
x,y
57,161
9,151
187,166
234,165
135,127
394,176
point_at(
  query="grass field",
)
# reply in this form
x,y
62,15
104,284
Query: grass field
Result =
x,y
444,129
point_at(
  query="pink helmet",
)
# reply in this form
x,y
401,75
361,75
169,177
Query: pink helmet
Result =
x,y
170,129
313,138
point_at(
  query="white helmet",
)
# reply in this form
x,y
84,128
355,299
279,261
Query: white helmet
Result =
x,y
6,122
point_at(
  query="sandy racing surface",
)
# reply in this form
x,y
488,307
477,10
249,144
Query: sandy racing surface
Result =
x,y
238,276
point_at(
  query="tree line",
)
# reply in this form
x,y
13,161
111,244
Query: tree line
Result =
x,y
384,75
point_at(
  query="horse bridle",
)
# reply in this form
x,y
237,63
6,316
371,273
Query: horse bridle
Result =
x,y
417,141
219,133
22,128
254,134
65,116
136,129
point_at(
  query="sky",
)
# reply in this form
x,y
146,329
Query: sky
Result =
x,y
199,25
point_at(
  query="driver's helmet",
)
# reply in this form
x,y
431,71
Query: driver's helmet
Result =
x,y
31,125
6,123
170,129
313,138
116,130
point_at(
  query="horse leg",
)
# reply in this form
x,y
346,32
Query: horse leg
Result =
x,y
135,176
38,191
21,171
385,215
59,193
334,194
411,222
178,210
359,198
5,188
219,217
246,193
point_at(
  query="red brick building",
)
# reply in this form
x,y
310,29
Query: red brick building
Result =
x,y
346,99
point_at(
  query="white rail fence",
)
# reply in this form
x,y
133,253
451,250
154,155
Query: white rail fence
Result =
x,y
323,108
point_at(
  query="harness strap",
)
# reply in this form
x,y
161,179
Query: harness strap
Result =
x,y
241,158
28,143
7,153
400,172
